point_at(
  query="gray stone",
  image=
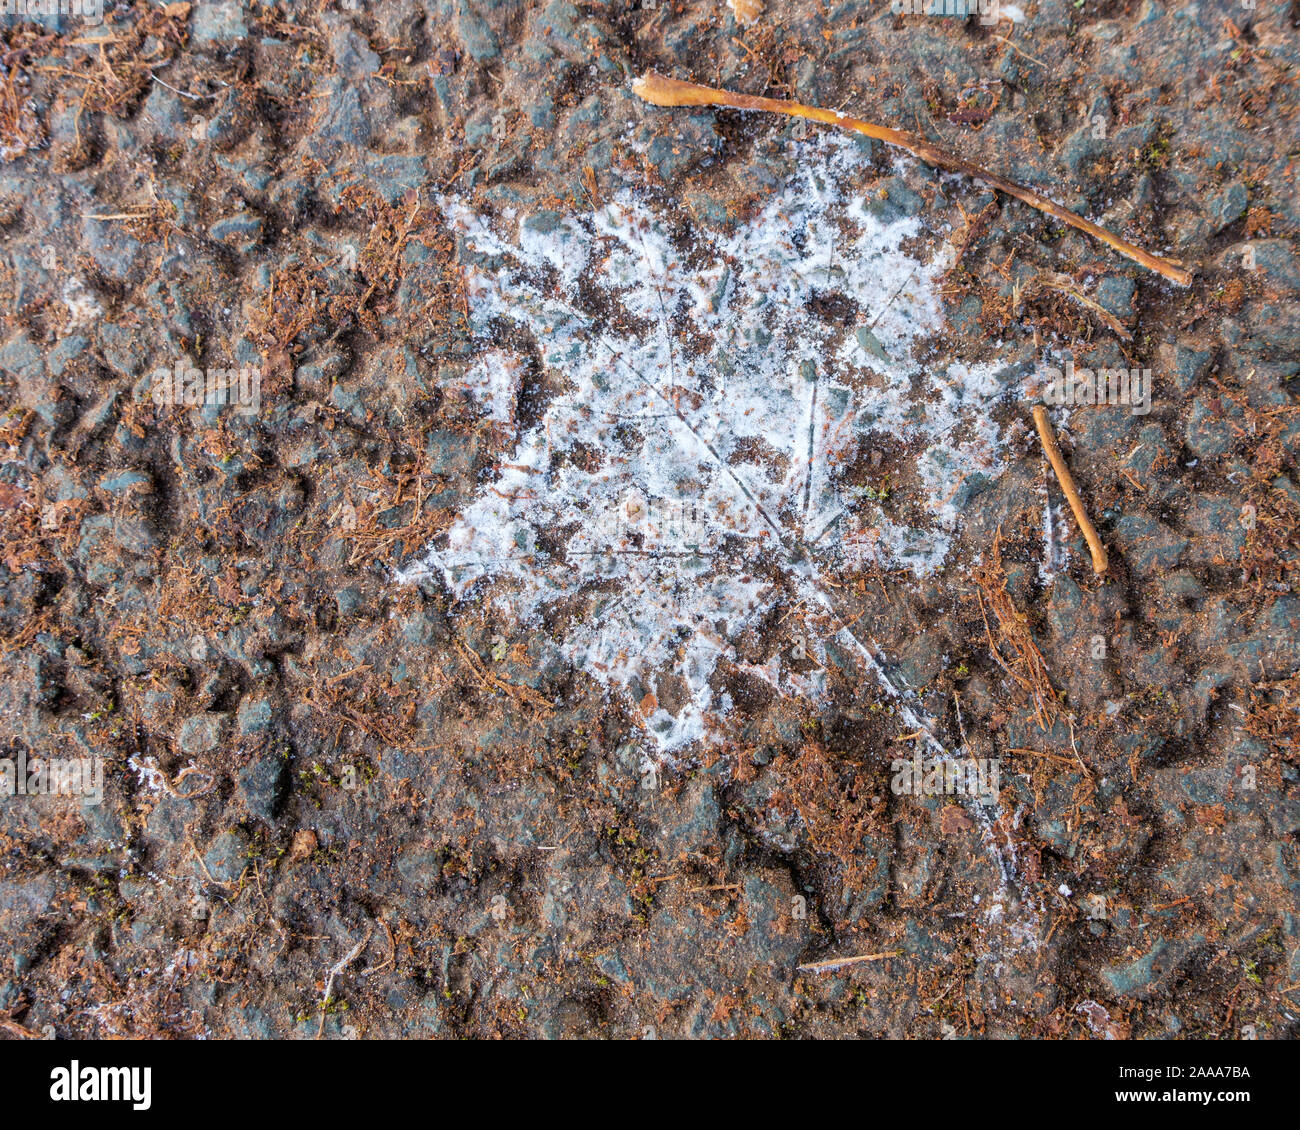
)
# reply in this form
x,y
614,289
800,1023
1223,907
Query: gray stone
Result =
x,y
690,823
259,785
227,856
254,716
1149,546
218,21
202,733
243,231
1228,206
478,39
1208,433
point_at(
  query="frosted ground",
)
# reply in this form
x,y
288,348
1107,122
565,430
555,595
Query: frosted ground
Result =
x,y
706,422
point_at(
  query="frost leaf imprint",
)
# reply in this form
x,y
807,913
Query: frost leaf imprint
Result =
x,y
717,391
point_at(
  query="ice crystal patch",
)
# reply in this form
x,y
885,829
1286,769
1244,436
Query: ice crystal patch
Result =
x,y
722,396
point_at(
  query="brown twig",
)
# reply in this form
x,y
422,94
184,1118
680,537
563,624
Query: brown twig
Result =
x,y
1063,284
661,91
1047,756
517,691
1099,559
337,971
838,962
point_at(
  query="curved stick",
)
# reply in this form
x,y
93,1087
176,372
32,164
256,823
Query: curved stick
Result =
x,y
662,91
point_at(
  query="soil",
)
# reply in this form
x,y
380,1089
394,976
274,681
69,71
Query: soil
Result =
x,y
350,795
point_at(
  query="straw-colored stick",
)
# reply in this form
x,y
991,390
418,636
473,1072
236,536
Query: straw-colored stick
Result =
x,y
1100,561
661,91
841,962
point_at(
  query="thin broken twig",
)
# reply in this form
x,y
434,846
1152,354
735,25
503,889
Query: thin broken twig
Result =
x,y
337,971
1063,284
1099,559
840,962
662,91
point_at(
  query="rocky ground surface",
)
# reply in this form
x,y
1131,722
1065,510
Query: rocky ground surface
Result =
x,y
336,805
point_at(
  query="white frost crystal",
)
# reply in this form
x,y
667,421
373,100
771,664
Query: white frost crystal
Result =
x,y
688,478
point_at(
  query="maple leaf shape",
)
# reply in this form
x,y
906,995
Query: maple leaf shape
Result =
x,y
717,390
